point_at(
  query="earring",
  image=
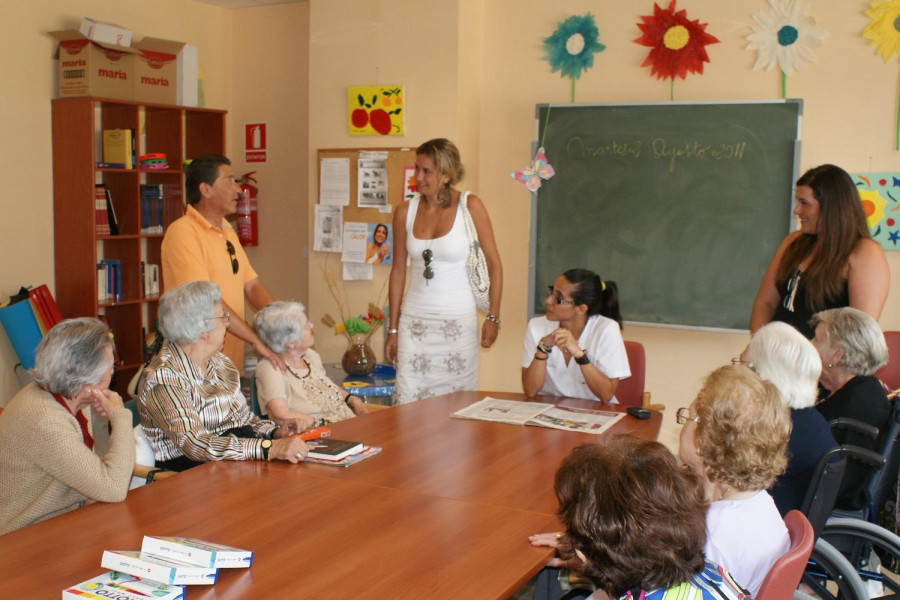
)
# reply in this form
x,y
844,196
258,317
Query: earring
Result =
x,y
830,365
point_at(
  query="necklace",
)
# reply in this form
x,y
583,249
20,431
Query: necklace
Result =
x,y
291,371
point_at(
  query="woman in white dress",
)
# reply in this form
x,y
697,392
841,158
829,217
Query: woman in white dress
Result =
x,y
433,338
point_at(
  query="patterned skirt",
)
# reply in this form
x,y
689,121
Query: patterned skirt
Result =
x,y
436,355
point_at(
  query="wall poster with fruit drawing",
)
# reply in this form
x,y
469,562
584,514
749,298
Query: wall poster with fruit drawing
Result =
x,y
375,110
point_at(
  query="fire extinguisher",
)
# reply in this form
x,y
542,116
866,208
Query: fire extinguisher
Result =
x,y
247,224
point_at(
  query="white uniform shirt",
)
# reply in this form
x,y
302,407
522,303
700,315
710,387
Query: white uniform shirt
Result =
x,y
601,339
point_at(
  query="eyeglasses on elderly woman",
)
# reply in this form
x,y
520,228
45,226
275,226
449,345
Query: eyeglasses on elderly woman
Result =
x,y
683,415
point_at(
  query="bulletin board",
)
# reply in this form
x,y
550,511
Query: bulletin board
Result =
x,y
398,159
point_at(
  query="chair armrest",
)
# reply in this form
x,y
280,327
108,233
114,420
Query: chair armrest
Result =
x,y
844,423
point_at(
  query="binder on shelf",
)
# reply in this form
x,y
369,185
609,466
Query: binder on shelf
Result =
x,y
113,279
45,307
149,280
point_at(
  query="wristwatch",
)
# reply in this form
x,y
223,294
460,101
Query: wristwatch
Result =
x,y
545,349
266,446
583,359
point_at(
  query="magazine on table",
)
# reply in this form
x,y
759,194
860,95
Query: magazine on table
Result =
x,y
541,414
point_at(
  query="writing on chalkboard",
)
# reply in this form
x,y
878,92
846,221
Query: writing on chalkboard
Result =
x,y
681,204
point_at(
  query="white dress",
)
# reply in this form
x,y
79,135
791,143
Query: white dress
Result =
x,y
601,339
437,339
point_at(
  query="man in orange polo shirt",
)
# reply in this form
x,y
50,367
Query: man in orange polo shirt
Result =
x,y
202,246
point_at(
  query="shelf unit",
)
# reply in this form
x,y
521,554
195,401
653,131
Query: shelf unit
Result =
x,y
78,124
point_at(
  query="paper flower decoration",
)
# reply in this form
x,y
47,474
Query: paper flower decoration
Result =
x,y
540,169
571,48
785,36
678,45
884,32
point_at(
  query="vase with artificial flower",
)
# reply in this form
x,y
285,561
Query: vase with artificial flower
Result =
x,y
359,359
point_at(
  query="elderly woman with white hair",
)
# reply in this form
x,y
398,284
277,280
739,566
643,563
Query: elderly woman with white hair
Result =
x,y
303,391
47,463
852,347
191,405
783,356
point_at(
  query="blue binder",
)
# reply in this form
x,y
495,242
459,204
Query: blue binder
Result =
x,y
22,330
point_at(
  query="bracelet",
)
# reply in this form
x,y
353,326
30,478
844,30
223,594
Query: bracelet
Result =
x,y
392,331
493,319
583,359
536,357
545,349
347,399
272,433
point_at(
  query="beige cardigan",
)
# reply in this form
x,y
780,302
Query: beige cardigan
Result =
x,y
45,468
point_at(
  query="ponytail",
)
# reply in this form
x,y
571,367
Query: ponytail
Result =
x,y
601,297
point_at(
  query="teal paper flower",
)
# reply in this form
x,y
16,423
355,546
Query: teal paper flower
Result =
x,y
571,48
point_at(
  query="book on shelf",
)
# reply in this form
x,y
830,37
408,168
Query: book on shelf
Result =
x,y
113,274
117,147
101,215
157,568
122,586
517,412
152,208
102,283
111,213
149,280
329,448
352,459
197,552
45,309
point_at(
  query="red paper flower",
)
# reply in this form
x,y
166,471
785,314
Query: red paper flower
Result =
x,y
678,44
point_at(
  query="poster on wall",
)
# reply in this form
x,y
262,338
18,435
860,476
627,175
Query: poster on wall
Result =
x,y
327,231
372,179
880,197
375,110
334,181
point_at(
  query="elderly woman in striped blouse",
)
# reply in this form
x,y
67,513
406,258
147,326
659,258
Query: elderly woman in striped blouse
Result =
x,y
191,405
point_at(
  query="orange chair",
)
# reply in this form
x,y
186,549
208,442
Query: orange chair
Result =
x,y
630,392
784,576
889,374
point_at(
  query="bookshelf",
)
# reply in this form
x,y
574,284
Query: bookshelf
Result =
x,y
78,124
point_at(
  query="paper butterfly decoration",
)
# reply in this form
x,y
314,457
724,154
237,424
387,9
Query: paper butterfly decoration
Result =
x,y
540,169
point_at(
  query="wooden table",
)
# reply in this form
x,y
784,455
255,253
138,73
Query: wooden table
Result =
x,y
443,512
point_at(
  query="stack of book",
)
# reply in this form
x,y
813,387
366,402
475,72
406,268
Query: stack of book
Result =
x,y
151,208
339,453
159,569
109,280
105,221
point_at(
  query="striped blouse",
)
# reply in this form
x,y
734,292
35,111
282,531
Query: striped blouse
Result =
x,y
184,410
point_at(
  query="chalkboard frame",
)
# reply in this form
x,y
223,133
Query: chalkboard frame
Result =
x,y
781,220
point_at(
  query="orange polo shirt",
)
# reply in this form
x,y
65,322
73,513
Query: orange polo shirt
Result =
x,y
194,250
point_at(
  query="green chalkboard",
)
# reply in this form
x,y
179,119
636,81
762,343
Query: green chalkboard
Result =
x,y
682,205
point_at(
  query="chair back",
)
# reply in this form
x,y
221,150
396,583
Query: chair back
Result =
x,y
784,576
824,487
889,374
630,392
254,401
133,407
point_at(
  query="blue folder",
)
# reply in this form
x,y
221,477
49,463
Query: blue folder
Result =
x,y
22,330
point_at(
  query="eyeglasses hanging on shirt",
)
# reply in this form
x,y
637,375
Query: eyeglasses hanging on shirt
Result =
x,y
792,284
428,256
234,262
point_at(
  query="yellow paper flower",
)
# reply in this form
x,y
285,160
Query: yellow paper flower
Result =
x,y
873,206
884,30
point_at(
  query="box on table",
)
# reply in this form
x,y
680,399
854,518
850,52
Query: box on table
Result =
x,y
160,569
105,33
162,68
89,68
197,552
121,586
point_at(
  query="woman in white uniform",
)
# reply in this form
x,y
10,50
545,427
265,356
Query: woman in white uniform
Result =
x,y
433,341
576,349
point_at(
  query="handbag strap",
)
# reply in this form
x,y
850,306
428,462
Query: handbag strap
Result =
x,y
471,232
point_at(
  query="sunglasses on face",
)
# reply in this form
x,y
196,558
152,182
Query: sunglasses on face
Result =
x,y
234,262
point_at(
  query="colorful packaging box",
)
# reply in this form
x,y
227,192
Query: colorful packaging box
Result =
x,y
148,566
122,586
197,552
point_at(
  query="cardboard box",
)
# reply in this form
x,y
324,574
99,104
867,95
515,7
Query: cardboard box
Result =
x,y
105,33
88,68
158,75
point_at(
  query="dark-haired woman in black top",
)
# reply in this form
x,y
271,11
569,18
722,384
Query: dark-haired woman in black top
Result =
x,y
576,348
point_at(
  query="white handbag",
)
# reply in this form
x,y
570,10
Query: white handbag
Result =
x,y
476,265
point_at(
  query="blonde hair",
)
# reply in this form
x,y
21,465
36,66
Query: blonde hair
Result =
x,y
743,429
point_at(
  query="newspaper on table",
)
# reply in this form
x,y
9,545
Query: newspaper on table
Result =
x,y
541,414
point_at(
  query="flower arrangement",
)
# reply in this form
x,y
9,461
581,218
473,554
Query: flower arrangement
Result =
x,y
364,325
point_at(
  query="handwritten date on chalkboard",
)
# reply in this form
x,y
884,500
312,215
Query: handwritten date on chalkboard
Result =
x,y
661,148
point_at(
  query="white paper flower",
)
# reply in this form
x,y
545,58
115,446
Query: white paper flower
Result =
x,y
785,36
